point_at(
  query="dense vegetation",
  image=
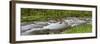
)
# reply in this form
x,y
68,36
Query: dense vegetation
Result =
x,y
28,14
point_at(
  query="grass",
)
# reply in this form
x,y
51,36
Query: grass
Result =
x,y
30,15
85,28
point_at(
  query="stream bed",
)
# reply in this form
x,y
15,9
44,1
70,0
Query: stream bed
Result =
x,y
40,27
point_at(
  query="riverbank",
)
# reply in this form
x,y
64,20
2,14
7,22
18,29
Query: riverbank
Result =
x,y
73,25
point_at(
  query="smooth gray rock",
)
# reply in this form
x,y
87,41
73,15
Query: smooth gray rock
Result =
x,y
30,26
47,27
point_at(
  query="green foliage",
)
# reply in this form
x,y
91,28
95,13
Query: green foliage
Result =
x,y
28,14
85,28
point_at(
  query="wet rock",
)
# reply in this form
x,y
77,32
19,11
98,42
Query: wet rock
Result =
x,y
41,23
30,26
36,31
72,21
47,27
